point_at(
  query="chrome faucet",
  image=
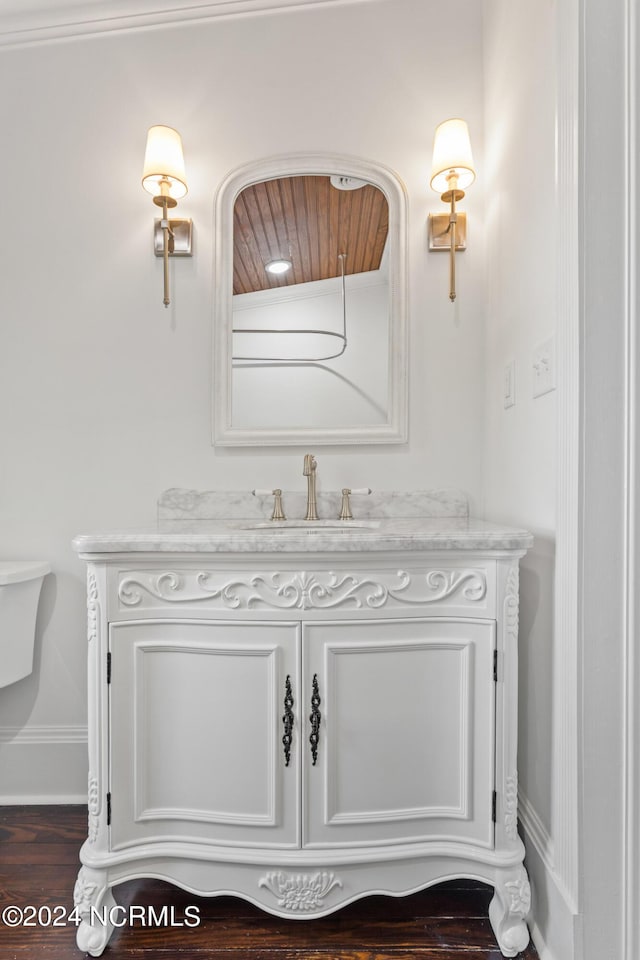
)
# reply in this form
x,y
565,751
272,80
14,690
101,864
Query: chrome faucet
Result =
x,y
309,471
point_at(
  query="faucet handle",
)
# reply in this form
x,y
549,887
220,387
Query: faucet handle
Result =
x,y
345,509
278,512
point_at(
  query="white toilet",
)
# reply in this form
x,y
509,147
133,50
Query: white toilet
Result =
x,y
20,583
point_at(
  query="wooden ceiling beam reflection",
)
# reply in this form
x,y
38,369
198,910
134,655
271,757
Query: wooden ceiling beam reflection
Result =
x,y
308,221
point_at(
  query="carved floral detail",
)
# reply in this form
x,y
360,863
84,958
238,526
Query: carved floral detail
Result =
x,y
300,891
94,809
519,893
305,590
511,807
83,893
92,605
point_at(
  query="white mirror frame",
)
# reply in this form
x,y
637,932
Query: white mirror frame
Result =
x,y
394,430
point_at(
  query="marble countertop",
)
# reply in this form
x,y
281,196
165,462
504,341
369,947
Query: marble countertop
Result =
x,y
239,536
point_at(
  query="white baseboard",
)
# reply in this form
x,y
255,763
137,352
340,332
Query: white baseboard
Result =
x,y
44,734
544,953
43,764
553,918
535,830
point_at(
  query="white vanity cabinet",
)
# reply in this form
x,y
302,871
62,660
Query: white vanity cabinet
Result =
x,y
302,726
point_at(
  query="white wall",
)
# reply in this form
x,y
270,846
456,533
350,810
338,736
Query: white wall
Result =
x,y
105,395
523,144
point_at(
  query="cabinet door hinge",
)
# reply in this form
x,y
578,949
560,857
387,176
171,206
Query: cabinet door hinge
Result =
x,y
494,805
109,809
109,667
495,666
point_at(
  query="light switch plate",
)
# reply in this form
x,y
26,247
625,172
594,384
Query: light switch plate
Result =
x,y
509,384
543,362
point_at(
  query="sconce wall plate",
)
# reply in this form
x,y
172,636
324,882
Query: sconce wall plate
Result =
x,y
440,234
180,244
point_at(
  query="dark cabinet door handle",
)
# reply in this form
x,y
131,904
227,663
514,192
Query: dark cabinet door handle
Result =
x,y
287,721
315,719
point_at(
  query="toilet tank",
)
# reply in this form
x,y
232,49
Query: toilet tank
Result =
x,y
20,583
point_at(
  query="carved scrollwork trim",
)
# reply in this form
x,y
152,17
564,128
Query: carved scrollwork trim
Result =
x,y
300,891
132,589
93,606
444,583
511,807
94,809
305,591
511,604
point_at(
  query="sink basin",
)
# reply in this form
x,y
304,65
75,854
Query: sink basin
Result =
x,y
312,526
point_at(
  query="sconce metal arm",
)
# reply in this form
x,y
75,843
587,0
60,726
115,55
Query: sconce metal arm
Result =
x,y
451,196
165,202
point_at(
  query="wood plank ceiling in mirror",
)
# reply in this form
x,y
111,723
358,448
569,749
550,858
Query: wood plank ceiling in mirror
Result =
x,y
309,221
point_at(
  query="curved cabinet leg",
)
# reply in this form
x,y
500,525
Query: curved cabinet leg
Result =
x,y
508,909
93,901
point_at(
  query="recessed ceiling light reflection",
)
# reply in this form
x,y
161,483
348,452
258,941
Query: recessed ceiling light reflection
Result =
x,y
278,266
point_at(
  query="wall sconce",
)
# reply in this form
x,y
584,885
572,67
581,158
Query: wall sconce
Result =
x,y
452,172
164,178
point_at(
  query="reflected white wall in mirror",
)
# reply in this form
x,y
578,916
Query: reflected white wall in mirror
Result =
x,y
307,354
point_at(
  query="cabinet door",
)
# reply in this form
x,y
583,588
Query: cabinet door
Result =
x,y
406,741
196,722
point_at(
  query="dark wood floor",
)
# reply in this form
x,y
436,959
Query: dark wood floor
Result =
x,y
38,866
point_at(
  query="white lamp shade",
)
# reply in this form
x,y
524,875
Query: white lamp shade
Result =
x,y
452,155
163,160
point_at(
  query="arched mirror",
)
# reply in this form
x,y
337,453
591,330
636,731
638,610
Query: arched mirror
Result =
x,y
309,320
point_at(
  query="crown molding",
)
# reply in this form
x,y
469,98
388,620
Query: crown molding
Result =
x,y
27,22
